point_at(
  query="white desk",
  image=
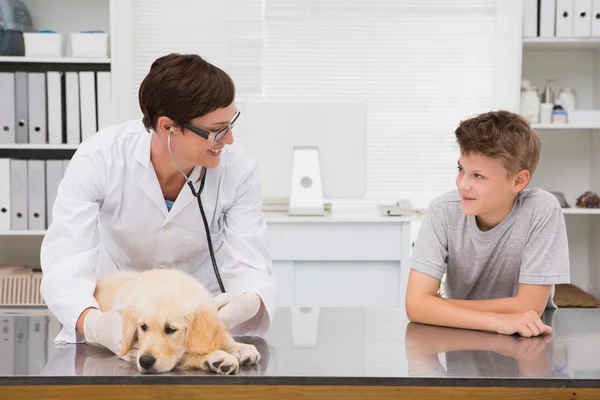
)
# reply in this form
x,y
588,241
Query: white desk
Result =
x,y
340,261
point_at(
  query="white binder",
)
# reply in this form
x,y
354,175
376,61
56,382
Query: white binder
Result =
x,y
21,348
596,18
55,107
582,18
54,174
7,108
104,95
37,349
564,18
5,194
18,195
36,97
547,18
72,107
36,195
87,100
21,106
530,18
65,164
7,345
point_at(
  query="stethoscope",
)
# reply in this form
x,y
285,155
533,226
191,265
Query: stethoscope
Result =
x,y
197,196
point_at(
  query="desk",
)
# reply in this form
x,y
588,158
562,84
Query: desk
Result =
x,y
350,353
327,261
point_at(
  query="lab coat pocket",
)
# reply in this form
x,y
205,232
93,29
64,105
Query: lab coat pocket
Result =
x,y
195,243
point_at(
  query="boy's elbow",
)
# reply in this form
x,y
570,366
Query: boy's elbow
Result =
x,y
413,308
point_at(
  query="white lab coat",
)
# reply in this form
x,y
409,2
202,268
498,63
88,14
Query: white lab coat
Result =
x,y
110,214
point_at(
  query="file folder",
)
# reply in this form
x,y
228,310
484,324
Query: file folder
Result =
x,y
21,106
54,174
37,107
36,195
104,92
564,18
87,97
582,18
72,107
18,195
7,108
5,194
54,86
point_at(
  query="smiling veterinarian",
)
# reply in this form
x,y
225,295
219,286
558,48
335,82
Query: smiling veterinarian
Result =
x,y
123,204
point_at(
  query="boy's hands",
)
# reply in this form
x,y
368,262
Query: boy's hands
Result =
x,y
526,324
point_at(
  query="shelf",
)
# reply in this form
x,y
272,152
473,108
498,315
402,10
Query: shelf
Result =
x,y
561,43
22,233
563,127
53,60
38,146
581,211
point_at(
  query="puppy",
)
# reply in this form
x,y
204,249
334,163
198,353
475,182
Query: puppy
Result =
x,y
174,319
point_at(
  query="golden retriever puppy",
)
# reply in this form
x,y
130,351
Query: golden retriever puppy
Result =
x,y
174,319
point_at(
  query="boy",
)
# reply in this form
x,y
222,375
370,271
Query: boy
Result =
x,y
502,247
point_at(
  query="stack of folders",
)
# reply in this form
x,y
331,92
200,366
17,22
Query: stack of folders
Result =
x,y
29,188
53,107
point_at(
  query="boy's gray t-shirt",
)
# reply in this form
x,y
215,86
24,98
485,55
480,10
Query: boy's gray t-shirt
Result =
x,y
529,246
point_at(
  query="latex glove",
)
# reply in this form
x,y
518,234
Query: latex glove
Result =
x,y
237,308
104,329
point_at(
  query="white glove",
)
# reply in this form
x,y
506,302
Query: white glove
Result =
x,y
237,308
106,329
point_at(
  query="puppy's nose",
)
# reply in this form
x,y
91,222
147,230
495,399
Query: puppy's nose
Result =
x,y
147,361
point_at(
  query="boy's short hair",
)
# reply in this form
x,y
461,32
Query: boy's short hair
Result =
x,y
183,87
504,136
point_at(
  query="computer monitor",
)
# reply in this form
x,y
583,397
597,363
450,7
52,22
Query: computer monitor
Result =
x,y
308,149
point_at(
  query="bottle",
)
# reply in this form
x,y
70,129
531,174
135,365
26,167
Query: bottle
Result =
x,y
559,115
547,106
530,102
568,99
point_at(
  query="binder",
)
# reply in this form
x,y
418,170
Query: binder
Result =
x,y
4,194
65,164
21,106
596,18
564,18
55,107
582,18
18,194
7,108
547,18
104,96
37,349
54,174
37,107
530,18
72,107
21,337
87,97
7,345
36,195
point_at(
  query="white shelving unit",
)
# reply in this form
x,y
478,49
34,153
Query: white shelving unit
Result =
x,y
570,160
63,16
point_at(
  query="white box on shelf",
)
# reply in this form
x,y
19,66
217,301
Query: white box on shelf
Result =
x,y
547,18
89,44
43,44
584,118
530,18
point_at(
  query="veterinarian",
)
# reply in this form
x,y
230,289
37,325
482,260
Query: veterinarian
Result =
x,y
124,203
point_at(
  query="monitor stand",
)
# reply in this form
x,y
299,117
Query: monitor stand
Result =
x,y
306,197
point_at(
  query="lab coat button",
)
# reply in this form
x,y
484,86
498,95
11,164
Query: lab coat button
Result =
x,y
166,227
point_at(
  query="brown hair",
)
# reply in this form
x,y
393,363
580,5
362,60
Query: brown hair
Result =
x,y
183,87
504,136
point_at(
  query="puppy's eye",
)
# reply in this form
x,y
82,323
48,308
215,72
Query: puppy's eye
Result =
x,y
169,330
144,327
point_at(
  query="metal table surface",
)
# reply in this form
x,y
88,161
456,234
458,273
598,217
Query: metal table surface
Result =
x,y
332,346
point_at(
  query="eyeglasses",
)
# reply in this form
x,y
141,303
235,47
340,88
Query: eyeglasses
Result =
x,y
213,136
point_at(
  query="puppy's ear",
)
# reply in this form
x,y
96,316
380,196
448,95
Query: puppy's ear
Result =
x,y
205,333
129,332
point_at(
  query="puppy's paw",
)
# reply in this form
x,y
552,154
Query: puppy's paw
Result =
x,y
220,362
246,354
